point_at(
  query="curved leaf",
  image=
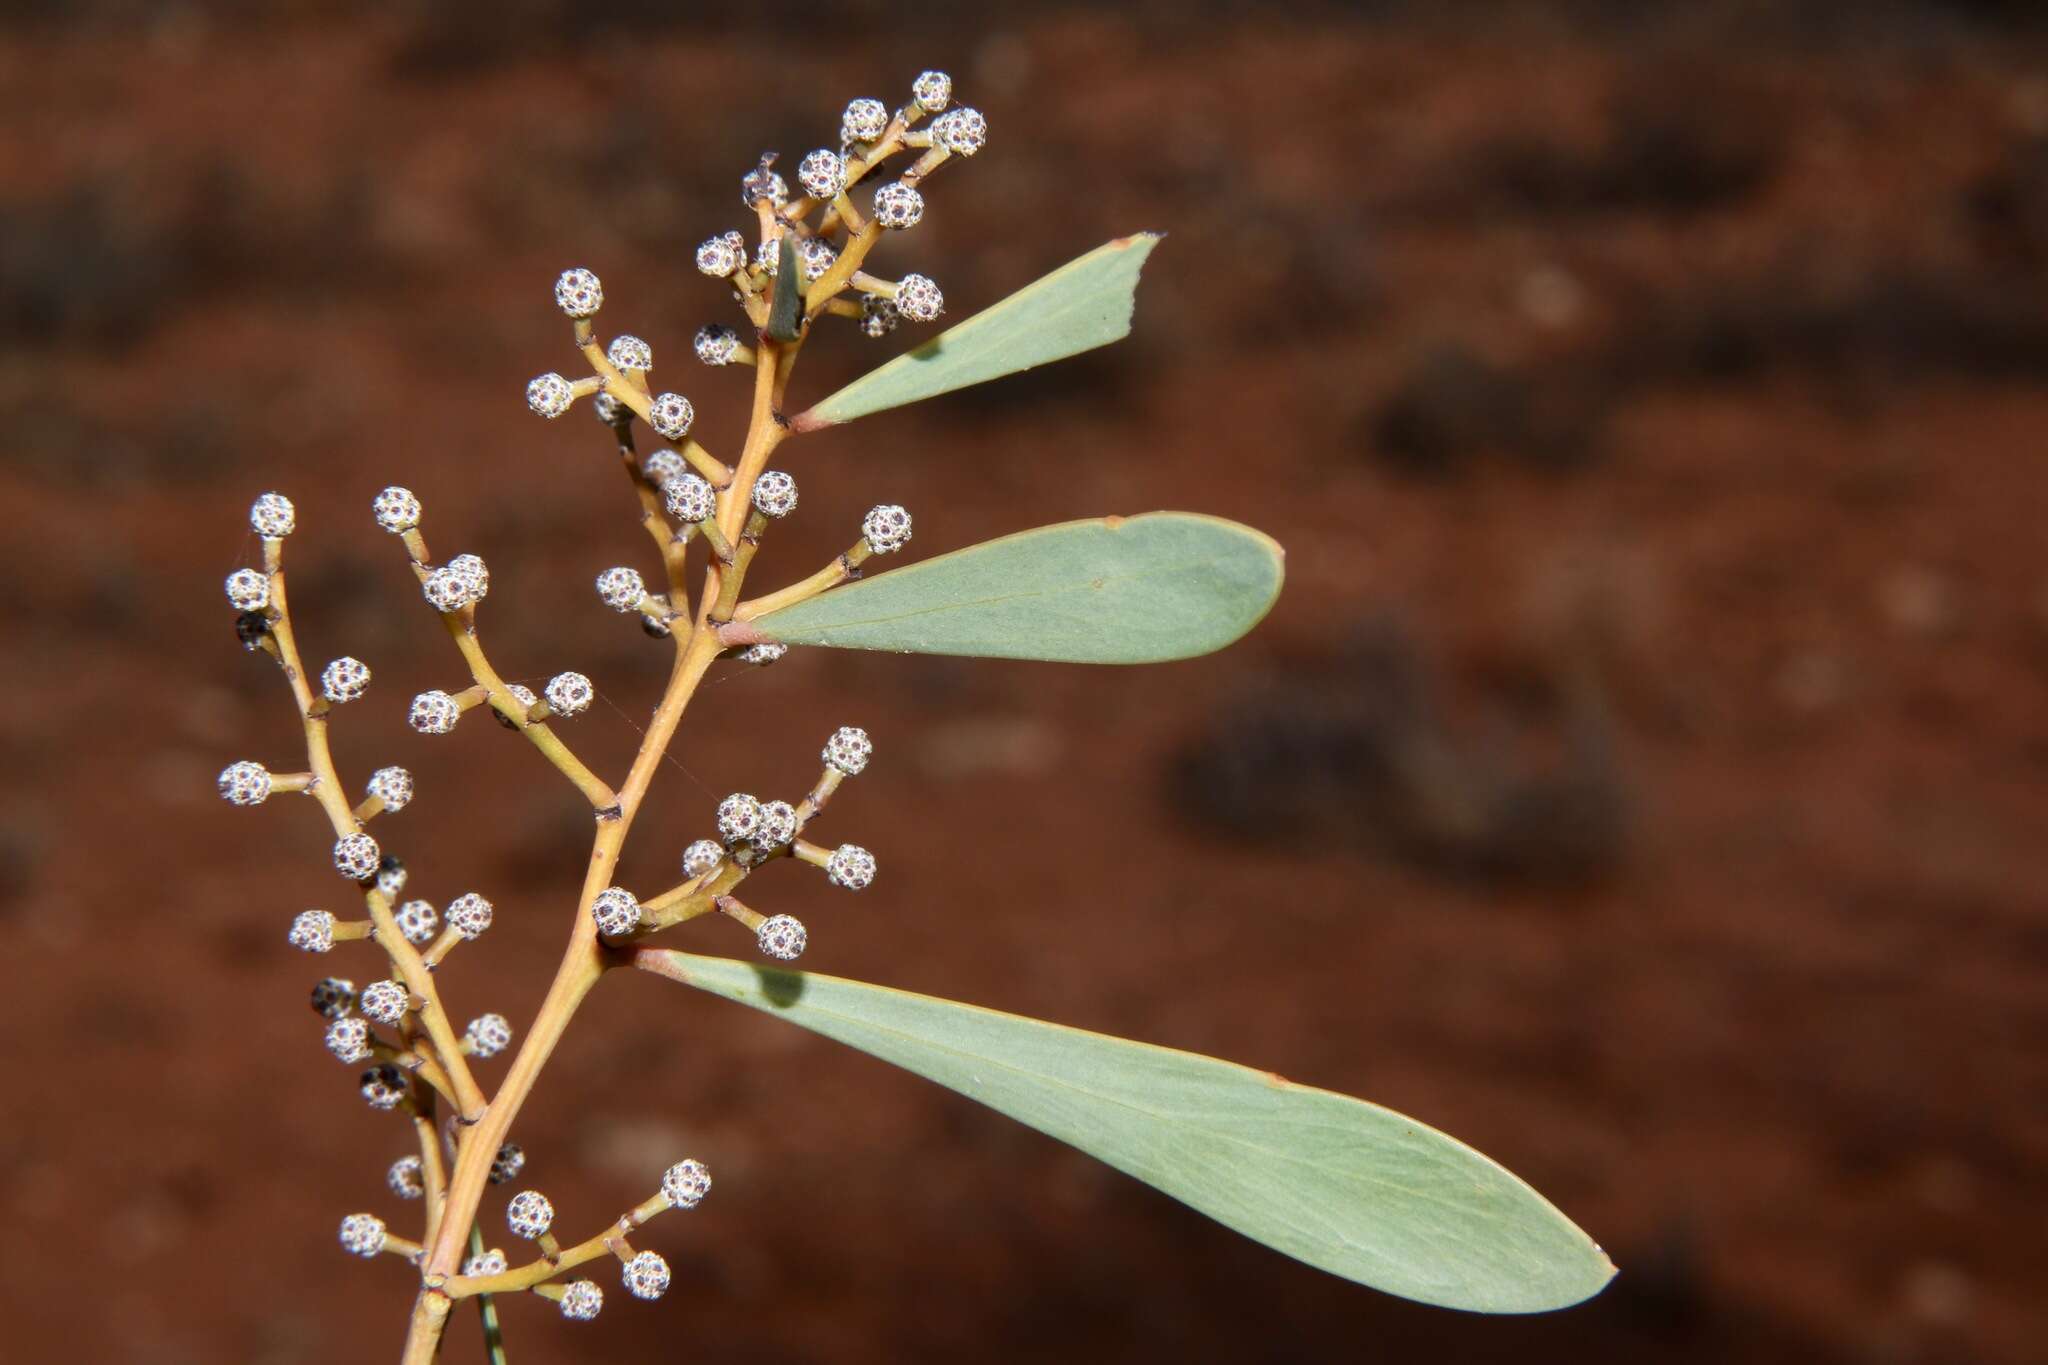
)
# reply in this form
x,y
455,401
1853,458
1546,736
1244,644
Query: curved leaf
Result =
x,y
1117,590
1084,304
1343,1185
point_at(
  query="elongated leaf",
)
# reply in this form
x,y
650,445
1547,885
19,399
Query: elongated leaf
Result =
x,y
1343,1185
1119,590
1084,304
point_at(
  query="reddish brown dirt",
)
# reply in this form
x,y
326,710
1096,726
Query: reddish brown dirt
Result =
x,y
1641,777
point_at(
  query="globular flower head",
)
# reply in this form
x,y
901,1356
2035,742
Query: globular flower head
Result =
x,y
671,415
433,713
406,1178
362,1234
760,656
252,628
646,1275
392,786
763,183
345,679
848,750
383,1086
919,299
768,255
886,528
396,509
616,910
484,1263
391,874
334,997
418,921
864,121
476,571
621,588
778,826
817,256
582,1300
248,589
898,206
523,701
312,931
385,1001
782,937
349,1038
661,465
549,395
530,1214
851,866
578,293
488,1035
961,131
448,589
774,494
932,90
823,174
739,818
717,344
569,693
628,352
721,255
701,856
273,516
246,783
609,411
469,915
356,856
508,1163
878,316
686,1183
691,498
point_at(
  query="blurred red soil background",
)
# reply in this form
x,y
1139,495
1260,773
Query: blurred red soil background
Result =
x,y
1641,776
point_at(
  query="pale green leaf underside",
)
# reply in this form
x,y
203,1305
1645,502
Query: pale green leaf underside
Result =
x,y
1117,590
1343,1185
1084,304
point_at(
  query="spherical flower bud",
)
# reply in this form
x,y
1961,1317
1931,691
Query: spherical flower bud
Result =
x,y
582,1300
691,498
569,693
312,931
817,257
778,825
768,256
390,874
782,937
356,856
932,90
523,701
469,915
774,494
851,866
418,921
717,344
616,910
508,1163
549,395
739,818
671,415
628,352
433,713
392,786
661,465
823,174
960,132
848,750
720,256
878,316
621,588
886,528
760,656
701,857
396,509
490,1262
609,411
362,1234
385,1001
646,1275
345,679
252,628
763,183
448,589
918,299
898,206
273,516
406,1178
488,1035
530,1214
334,997
686,1183
349,1039
248,590
863,121
578,293
383,1086
246,783
476,571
